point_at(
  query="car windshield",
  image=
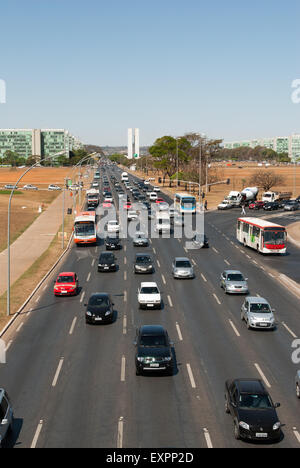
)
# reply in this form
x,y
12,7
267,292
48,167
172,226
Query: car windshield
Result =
x,y
143,260
65,279
99,301
140,235
260,307
183,264
106,258
84,229
275,237
235,277
149,290
153,341
253,401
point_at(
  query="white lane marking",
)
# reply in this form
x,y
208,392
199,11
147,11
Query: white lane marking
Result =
x,y
164,279
234,328
170,301
82,296
254,262
125,248
125,296
192,380
93,262
208,439
125,260
193,262
217,299
248,256
37,300
125,325
226,261
125,275
73,326
272,276
19,327
232,242
120,433
296,434
185,249
57,372
150,240
123,368
45,287
37,434
243,251
158,263
203,277
179,331
262,375
154,250
88,278
215,250
289,330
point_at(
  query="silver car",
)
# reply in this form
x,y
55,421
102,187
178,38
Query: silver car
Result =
x,y
233,282
140,240
257,313
6,416
182,268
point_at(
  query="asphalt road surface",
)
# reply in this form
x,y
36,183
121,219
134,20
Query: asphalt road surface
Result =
x,y
74,385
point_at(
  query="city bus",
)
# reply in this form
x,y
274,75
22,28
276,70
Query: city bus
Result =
x,y
184,203
261,235
85,228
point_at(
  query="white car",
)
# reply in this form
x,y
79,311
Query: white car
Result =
x,y
156,189
149,296
163,206
113,227
53,187
30,187
153,196
140,239
108,200
225,205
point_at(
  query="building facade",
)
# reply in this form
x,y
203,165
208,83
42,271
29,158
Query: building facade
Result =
x,y
36,142
289,144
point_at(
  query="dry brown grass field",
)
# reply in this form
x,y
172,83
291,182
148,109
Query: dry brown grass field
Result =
x,y
25,206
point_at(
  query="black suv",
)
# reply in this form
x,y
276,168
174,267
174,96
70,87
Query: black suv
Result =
x,y
143,264
253,411
112,243
107,262
271,206
153,350
99,309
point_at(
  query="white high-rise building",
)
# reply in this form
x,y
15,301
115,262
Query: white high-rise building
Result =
x,y
133,145
137,143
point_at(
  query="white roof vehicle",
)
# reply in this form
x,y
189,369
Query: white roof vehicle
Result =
x,y
149,296
113,226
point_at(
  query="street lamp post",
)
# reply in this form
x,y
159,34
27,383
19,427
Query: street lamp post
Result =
x,y
8,223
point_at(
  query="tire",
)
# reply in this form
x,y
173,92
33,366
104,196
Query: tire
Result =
x,y
297,391
227,410
248,325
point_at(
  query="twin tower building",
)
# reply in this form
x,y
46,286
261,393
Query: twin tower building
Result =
x,y
133,146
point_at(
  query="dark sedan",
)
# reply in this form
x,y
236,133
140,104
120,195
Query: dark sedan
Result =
x,y
107,262
153,350
253,411
113,243
99,309
143,264
271,206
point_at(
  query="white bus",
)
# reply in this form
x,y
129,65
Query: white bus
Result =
x,y
185,203
85,229
261,235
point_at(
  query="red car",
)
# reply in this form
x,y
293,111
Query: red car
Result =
x,y
107,205
127,206
160,200
257,205
66,284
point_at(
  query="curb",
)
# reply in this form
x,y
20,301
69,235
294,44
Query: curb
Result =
x,y
14,317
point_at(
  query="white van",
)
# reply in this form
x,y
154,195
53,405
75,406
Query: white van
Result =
x,y
153,196
124,177
162,223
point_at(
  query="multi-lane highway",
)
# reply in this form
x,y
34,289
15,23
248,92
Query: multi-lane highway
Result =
x,y
74,385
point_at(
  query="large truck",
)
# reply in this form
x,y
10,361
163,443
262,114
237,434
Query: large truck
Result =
x,y
246,196
276,196
93,198
124,177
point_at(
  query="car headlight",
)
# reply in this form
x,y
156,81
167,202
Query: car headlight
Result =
x,y
244,425
107,313
168,358
89,313
140,359
276,426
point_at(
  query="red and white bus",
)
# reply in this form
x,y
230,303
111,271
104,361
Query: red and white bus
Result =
x,y
261,235
85,228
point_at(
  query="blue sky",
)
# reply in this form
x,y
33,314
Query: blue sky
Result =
x,y
97,67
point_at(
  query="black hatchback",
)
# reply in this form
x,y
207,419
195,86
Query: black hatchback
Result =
x,y
153,350
107,262
113,243
271,206
253,411
99,309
